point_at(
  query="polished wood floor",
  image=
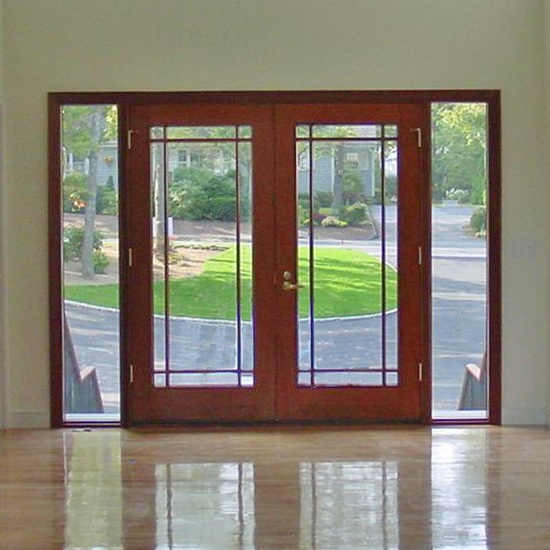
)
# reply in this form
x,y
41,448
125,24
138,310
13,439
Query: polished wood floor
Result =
x,y
285,488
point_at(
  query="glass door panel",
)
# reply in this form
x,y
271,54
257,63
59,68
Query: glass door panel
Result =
x,y
90,222
347,261
201,198
460,257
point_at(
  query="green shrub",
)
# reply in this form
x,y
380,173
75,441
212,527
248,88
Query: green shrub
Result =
x,y
323,199
333,221
100,261
303,201
353,188
478,221
72,243
356,214
75,193
107,200
198,194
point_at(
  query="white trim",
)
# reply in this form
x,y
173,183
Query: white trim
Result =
x,y
524,417
29,420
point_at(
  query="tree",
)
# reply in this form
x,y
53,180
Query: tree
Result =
x,y
85,129
459,140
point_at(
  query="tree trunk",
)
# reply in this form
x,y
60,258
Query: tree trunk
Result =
x,y
97,124
159,203
338,188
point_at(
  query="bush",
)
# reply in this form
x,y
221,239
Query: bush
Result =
x,y
198,194
72,243
353,187
333,221
100,261
478,221
323,199
107,200
356,214
75,193
460,195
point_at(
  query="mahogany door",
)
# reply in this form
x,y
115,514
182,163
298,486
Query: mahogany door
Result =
x,y
260,286
349,337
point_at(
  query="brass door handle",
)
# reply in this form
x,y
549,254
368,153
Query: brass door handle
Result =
x,y
288,286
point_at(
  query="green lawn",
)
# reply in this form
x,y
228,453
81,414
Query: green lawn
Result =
x,y
347,283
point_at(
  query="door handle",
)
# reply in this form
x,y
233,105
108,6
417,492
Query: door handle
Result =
x,y
287,284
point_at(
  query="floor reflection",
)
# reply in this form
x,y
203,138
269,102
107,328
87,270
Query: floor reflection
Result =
x,y
205,505
406,488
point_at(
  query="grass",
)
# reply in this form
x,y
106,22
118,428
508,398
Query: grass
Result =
x,y
347,283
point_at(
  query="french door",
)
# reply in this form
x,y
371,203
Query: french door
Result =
x,y
274,267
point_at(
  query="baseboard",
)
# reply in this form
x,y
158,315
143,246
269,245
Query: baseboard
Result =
x,y
525,417
28,420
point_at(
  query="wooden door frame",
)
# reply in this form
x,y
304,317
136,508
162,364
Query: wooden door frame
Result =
x,y
125,99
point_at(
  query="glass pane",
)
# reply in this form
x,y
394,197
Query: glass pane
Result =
x,y
346,261
203,258
390,131
303,131
160,231
334,131
201,132
157,132
245,132
90,259
459,259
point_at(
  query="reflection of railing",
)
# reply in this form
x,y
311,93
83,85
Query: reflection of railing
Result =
x,y
473,396
82,394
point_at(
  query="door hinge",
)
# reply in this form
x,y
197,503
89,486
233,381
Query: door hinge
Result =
x,y
129,138
131,374
418,136
420,371
130,257
420,256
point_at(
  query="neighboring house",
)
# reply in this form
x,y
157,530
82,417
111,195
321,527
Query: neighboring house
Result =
x,y
107,166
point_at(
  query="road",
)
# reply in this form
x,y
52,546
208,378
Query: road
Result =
x,y
458,300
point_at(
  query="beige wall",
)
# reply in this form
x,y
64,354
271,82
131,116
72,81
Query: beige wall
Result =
x,y
547,144
3,233
64,45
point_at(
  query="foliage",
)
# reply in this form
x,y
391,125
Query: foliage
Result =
x,y
198,194
75,193
107,200
77,135
333,221
478,221
323,199
347,283
72,243
355,214
352,188
460,195
303,201
459,133
100,261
